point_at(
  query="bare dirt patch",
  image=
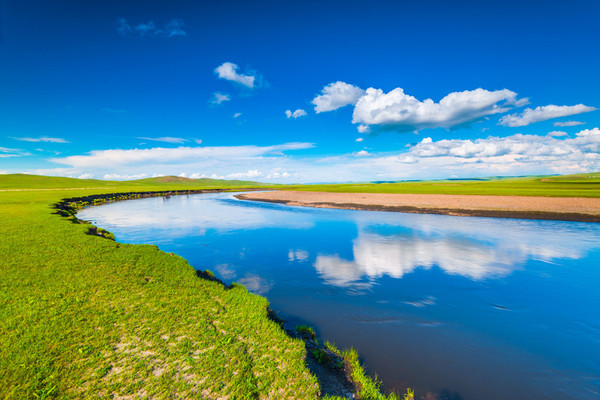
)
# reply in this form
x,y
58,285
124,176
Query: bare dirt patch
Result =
x,y
553,208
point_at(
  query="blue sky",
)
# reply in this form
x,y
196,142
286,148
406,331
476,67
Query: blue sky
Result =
x,y
287,91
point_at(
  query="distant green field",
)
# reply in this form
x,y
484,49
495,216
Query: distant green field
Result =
x,y
82,316
21,181
580,185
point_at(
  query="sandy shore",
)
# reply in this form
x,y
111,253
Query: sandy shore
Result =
x,y
554,208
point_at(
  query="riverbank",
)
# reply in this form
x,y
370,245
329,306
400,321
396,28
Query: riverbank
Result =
x,y
84,316
525,207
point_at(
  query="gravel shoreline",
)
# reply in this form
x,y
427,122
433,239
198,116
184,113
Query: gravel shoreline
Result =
x,y
549,208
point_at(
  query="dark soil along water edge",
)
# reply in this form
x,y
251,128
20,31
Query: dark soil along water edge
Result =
x,y
522,207
470,307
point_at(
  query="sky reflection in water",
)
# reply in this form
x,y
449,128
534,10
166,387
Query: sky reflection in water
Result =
x,y
483,307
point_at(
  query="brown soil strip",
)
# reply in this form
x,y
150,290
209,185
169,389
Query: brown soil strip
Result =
x,y
550,208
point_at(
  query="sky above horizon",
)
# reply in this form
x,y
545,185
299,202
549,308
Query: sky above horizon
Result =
x,y
299,91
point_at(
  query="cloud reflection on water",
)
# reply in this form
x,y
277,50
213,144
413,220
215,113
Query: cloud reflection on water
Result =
x,y
476,248
217,212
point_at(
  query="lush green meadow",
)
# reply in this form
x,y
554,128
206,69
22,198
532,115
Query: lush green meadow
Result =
x,y
83,316
579,185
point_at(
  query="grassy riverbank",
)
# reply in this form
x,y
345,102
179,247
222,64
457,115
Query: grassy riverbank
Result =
x,y
83,316
578,185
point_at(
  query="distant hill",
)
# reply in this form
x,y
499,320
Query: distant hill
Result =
x,y
23,181
588,177
169,180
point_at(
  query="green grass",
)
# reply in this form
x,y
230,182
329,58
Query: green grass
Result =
x,y
82,316
579,185
368,388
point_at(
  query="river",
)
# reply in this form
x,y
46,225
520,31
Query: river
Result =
x,y
470,308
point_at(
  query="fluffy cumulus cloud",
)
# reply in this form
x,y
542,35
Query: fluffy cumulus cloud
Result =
x,y
335,95
229,71
220,98
170,29
399,111
543,113
510,155
295,114
237,115
41,139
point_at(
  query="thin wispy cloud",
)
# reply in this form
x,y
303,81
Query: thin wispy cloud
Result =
x,y
569,123
142,29
165,139
41,139
557,133
543,113
6,152
229,71
220,98
118,157
237,115
335,95
175,28
399,111
295,114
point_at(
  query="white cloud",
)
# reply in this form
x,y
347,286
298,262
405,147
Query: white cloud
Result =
x,y
124,177
229,72
6,152
172,28
336,95
296,114
85,176
277,174
557,133
237,115
512,155
362,153
244,175
359,139
543,113
161,155
398,111
298,255
198,141
220,98
165,139
41,139
569,123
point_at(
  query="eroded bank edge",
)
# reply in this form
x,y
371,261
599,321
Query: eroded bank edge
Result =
x,y
343,369
537,215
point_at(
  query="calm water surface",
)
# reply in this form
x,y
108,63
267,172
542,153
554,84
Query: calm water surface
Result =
x,y
477,308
